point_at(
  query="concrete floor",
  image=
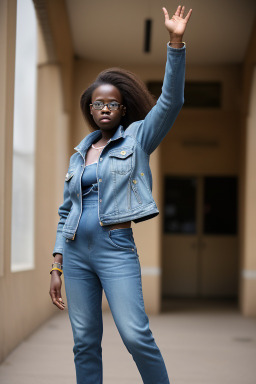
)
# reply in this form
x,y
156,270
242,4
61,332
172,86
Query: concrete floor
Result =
x,y
200,345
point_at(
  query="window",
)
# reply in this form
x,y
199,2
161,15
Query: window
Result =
x,y
220,206
197,94
180,205
22,246
217,201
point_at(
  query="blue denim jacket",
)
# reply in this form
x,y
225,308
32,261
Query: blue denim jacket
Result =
x,y
123,172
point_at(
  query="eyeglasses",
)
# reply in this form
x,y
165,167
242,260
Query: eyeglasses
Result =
x,y
112,106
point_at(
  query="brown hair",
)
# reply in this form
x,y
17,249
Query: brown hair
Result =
x,y
136,97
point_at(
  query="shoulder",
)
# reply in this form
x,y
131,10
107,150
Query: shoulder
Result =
x,y
73,158
133,128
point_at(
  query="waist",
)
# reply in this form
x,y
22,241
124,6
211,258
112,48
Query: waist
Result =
x,y
90,197
127,224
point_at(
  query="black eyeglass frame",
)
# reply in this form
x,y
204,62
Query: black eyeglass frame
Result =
x,y
108,105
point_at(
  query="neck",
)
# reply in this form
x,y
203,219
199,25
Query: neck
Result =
x,y
106,135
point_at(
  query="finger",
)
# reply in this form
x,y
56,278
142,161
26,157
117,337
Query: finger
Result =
x,y
188,15
58,304
55,300
182,11
61,301
166,14
177,13
59,298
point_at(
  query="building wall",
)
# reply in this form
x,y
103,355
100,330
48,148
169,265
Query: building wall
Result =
x,y
247,173
248,261
24,299
216,152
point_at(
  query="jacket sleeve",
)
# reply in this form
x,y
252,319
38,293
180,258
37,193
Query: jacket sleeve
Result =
x,y
160,119
63,212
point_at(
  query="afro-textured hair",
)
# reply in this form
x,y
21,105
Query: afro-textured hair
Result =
x,y
136,97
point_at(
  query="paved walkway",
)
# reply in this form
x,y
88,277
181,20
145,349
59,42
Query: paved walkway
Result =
x,y
214,345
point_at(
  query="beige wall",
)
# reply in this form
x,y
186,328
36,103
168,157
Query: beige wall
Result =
x,y
203,142
8,29
248,263
24,298
247,176
220,128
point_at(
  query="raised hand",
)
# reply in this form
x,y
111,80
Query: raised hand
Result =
x,y
177,24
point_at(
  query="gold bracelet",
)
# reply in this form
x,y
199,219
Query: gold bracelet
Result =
x,y
56,269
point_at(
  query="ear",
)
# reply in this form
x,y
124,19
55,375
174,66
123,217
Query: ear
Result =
x,y
91,109
124,111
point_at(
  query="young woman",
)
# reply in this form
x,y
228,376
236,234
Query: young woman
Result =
x,y
108,185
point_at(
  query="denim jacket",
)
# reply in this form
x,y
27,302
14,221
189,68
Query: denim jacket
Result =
x,y
123,172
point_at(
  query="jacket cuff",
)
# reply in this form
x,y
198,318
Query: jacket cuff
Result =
x,y
169,47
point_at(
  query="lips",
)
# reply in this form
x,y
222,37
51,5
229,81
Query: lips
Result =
x,y
105,118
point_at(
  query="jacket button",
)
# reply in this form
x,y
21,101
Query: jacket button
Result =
x,y
101,223
100,180
100,201
142,174
123,153
78,195
134,181
101,158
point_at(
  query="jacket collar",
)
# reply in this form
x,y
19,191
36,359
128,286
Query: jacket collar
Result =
x,y
85,144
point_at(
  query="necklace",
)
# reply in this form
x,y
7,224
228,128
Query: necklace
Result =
x,y
103,146
98,147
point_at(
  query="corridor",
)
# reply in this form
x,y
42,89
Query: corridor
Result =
x,y
204,345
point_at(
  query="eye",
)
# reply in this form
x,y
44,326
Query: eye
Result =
x,y
98,104
114,105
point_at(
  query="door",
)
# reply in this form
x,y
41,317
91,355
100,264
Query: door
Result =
x,y
200,246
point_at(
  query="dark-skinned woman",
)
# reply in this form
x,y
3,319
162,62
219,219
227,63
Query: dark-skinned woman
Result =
x,y
107,186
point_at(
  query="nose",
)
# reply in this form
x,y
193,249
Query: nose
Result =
x,y
105,108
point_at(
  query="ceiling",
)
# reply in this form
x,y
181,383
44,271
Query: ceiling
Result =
x,y
112,31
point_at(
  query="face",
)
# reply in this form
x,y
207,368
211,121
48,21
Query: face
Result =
x,y
104,118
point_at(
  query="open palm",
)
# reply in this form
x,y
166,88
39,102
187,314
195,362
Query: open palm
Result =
x,y
177,24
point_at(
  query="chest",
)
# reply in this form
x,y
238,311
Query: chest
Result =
x,y
92,155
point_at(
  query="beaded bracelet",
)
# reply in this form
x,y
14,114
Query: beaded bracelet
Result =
x,y
59,265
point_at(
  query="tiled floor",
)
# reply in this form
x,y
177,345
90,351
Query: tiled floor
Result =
x,y
203,345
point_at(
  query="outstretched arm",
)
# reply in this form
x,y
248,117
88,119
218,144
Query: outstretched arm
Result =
x,y
160,119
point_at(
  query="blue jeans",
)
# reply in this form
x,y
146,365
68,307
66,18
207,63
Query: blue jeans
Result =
x,y
98,259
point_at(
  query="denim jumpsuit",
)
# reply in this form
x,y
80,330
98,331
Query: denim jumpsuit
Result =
x,y
98,259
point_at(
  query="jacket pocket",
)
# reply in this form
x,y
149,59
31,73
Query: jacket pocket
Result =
x,y
121,160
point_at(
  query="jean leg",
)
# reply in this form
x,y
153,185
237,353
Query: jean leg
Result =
x,y
125,298
84,298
